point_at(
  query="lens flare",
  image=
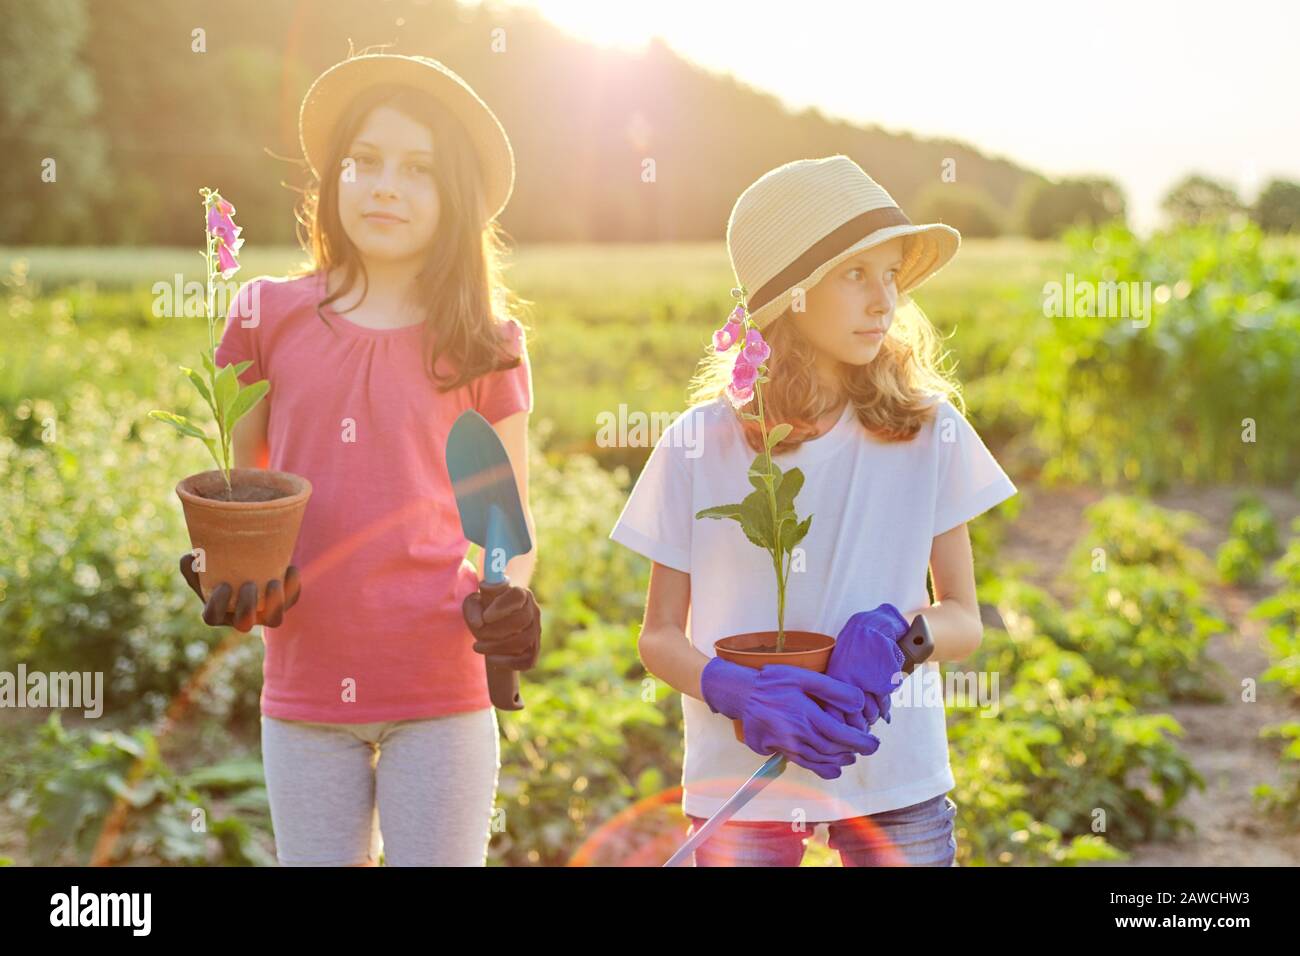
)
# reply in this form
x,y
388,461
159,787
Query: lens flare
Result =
x,y
650,831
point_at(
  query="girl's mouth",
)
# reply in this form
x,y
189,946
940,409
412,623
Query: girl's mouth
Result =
x,y
382,217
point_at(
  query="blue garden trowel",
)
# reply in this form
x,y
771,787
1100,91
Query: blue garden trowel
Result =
x,y
491,516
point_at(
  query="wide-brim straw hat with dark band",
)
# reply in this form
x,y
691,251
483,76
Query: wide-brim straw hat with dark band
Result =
x,y
333,90
799,221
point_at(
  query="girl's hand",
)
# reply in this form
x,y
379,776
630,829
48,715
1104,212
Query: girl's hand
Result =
x,y
777,712
507,626
867,656
280,596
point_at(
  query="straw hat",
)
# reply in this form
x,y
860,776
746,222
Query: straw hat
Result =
x,y
334,89
799,221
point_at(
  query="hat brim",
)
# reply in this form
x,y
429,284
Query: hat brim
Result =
x,y
929,247
333,90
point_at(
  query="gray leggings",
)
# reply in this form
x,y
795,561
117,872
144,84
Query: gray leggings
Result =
x,y
429,784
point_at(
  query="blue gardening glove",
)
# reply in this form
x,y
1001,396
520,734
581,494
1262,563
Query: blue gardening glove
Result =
x,y
778,715
867,656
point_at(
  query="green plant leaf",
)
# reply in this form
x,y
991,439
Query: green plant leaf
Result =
x,y
800,532
243,367
779,432
245,400
791,485
200,386
720,511
784,526
227,389
756,519
138,795
758,476
212,450
181,424
233,774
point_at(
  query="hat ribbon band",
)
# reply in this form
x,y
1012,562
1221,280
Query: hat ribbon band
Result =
x,y
825,249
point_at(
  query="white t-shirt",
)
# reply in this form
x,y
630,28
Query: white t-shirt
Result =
x,y
876,507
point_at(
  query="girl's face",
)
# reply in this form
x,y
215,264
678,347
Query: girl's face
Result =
x,y
388,201
849,311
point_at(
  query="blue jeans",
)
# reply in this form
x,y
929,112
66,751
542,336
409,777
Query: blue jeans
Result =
x,y
919,835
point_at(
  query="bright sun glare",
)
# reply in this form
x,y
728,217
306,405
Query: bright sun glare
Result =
x,y
598,21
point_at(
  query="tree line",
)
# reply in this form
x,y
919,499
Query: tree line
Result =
x,y
113,114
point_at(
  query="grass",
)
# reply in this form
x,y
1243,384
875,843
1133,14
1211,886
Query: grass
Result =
x,y
609,324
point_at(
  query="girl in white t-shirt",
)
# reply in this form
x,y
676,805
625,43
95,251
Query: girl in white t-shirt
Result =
x,y
892,473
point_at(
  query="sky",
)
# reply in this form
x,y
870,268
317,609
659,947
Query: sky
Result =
x,y
1143,91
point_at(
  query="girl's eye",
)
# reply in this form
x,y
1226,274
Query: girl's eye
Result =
x,y
857,274
421,169
364,160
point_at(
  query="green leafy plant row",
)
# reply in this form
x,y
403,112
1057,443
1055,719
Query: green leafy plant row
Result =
x,y
73,779
1281,612
1199,389
1252,541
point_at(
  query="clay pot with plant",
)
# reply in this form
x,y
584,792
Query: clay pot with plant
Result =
x,y
243,522
767,514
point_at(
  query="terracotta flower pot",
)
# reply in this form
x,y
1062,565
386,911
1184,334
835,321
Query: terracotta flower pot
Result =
x,y
806,649
250,538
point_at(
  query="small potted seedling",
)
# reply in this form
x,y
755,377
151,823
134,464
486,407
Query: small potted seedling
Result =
x,y
243,522
766,515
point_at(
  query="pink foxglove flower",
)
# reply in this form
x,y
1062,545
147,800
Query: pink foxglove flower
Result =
x,y
226,262
739,397
756,350
743,374
728,335
743,377
221,225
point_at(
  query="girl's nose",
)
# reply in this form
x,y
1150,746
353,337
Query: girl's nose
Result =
x,y
384,184
878,302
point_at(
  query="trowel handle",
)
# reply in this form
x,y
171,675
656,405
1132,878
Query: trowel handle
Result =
x,y
917,644
503,687
503,683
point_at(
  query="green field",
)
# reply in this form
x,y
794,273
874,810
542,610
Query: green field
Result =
x,y
92,530
608,324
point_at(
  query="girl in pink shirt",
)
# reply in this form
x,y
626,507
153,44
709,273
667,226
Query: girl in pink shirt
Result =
x,y
375,709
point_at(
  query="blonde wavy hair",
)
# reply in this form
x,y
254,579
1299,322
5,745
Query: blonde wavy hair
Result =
x,y
893,394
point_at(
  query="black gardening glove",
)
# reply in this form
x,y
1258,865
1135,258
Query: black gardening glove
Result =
x,y
506,622
280,596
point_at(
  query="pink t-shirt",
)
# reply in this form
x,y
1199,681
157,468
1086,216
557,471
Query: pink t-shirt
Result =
x,y
381,552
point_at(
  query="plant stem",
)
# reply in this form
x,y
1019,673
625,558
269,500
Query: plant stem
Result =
x,y
777,562
212,347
